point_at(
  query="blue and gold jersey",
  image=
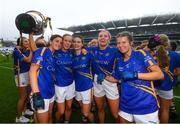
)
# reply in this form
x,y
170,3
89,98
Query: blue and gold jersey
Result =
x,y
174,60
137,96
63,64
169,78
83,72
19,64
103,60
46,78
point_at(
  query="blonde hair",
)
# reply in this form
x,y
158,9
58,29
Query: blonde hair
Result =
x,y
109,34
164,40
162,57
161,43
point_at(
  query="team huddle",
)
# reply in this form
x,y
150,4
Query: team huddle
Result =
x,y
138,84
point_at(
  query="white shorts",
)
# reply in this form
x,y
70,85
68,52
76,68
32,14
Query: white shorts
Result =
x,y
165,94
24,79
146,118
64,93
84,96
46,105
106,88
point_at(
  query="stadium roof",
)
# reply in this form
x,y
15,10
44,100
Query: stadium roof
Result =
x,y
127,23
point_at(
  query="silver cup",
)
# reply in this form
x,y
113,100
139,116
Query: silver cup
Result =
x,y
31,21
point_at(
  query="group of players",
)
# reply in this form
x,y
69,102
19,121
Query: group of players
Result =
x,y
65,69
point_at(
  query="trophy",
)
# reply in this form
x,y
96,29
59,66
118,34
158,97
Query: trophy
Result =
x,y
32,21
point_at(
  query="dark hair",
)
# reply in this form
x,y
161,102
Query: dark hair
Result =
x,y
19,41
173,46
54,36
66,35
40,45
41,37
125,34
80,37
154,41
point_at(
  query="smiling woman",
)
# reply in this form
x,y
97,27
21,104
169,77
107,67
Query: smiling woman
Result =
x,y
83,77
42,80
136,70
64,87
103,64
22,57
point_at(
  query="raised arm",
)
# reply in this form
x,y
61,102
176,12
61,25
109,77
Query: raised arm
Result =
x,y
32,43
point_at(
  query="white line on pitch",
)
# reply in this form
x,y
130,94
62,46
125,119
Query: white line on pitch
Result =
x,y
177,97
6,67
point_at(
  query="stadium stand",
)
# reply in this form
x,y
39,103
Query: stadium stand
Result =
x,y
142,27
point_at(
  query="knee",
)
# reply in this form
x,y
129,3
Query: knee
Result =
x,y
68,107
100,109
50,111
115,115
86,114
61,112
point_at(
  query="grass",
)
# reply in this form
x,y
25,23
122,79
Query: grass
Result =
x,y
8,97
8,92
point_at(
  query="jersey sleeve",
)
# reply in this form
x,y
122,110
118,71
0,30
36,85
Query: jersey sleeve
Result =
x,y
176,56
91,50
147,58
90,56
18,54
37,57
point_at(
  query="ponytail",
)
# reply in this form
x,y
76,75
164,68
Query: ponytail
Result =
x,y
162,57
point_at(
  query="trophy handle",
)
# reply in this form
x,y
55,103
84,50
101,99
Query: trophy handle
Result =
x,y
33,11
46,19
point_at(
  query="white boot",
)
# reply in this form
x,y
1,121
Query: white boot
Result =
x,y
22,119
28,112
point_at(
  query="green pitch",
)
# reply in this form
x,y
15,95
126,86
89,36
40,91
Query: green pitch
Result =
x,y
9,96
